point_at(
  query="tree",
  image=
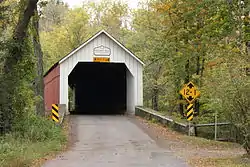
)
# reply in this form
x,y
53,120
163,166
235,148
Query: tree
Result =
x,y
12,75
39,84
53,14
198,35
79,24
111,16
65,37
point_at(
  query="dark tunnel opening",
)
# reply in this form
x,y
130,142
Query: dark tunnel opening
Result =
x,y
100,88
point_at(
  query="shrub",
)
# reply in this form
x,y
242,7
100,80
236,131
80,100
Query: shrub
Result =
x,y
35,128
31,138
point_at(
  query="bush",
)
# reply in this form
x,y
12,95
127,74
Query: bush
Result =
x,y
37,129
32,138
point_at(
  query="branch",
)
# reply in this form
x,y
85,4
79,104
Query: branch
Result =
x,y
24,19
156,60
19,35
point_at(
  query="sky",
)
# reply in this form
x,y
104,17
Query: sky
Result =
x,y
72,3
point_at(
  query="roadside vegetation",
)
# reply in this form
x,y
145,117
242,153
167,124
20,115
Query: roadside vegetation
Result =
x,y
206,42
198,152
25,133
31,139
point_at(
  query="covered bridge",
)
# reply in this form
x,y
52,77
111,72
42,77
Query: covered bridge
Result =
x,y
102,74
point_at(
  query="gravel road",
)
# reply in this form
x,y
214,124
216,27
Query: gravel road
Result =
x,y
113,141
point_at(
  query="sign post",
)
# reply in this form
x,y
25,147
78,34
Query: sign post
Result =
x,y
215,125
190,93
190,112
190,116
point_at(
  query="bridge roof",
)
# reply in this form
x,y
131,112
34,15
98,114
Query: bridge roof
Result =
x,y
87,42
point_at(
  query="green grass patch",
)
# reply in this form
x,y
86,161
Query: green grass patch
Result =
x,y
221,162
206,143
32,139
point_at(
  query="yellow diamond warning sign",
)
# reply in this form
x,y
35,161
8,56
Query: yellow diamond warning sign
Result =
x,y
190,92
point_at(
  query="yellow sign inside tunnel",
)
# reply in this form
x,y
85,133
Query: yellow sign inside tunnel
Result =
x,y
101,59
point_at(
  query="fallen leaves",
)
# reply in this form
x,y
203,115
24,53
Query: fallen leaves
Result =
x,y
198,152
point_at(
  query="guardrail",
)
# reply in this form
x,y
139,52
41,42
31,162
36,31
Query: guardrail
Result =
x,y
149,114
200,130
211,124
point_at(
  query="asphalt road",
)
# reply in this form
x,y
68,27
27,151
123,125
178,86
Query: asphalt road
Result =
x,y
113,141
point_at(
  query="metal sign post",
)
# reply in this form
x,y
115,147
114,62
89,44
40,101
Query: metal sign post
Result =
x,y
189,126
190,112
215,125
190,93
190,116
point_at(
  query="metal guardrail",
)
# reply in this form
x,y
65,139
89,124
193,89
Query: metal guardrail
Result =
x,y
211,124
196,129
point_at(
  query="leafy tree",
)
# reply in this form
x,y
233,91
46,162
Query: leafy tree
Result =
x,y
109,15
145,34
53,13
17,68
65,37
79,24
39,84
195,36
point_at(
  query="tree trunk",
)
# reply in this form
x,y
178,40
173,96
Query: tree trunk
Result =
x,y
202,70
155,99
11,74
39,84
187,71
180,107
19,35
248,60
198,69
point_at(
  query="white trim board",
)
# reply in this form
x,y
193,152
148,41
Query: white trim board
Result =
x,y
95,36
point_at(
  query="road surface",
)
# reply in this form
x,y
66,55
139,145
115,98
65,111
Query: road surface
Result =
x,y
113,141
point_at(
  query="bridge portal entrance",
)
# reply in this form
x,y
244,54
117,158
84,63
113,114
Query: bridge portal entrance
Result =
x,y
98,88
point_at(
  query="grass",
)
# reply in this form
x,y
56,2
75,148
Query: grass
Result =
x,y
220,162
199,142
206,143
199,152
21,153
35,138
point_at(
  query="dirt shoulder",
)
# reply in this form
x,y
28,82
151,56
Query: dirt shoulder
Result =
x,y
198,152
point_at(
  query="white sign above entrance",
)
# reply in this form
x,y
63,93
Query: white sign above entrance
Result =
x,y
102,51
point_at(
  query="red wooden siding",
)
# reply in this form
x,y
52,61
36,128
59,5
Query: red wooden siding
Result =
x,y
52,88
